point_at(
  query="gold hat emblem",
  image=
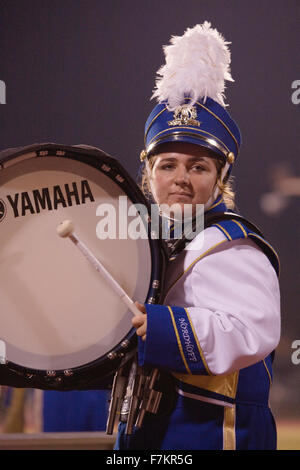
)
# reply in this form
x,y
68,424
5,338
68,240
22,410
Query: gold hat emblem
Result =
x,y
230,158
143,155
185,115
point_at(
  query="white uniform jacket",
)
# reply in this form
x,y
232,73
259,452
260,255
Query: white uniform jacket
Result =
x,y
221,315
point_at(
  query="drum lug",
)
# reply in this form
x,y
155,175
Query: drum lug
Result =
x,y
105,167
68,373
125,344
151,300
2,352
112,355
120,178
155,284
51,373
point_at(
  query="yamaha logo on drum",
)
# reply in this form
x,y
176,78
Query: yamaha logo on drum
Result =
x,y
2,210
32,202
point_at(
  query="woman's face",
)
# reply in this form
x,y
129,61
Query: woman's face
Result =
x,y
184,174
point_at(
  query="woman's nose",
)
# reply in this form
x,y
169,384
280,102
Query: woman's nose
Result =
x,y
182,176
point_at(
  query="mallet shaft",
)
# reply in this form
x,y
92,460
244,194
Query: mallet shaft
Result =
x,y
66,230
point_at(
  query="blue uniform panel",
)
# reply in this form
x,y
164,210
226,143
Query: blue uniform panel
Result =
x,y
196,425
75,410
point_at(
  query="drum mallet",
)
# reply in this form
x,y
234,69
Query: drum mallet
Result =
x,y
66,229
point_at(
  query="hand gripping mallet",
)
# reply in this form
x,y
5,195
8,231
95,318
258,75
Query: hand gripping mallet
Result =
x,y
66,229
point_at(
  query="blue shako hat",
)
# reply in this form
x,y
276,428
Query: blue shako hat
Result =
x,y
190,93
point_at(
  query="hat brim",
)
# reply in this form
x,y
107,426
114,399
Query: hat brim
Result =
x,y
210,144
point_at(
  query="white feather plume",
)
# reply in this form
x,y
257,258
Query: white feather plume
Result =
x,y
197,64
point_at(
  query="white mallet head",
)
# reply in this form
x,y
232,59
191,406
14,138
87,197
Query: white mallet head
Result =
x,y
65,228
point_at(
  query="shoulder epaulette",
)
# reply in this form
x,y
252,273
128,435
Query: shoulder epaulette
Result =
x,y
235,227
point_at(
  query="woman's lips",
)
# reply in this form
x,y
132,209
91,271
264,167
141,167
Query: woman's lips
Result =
x,y
181,194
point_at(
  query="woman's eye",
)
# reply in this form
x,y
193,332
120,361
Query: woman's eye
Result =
x,y
198,168
167,166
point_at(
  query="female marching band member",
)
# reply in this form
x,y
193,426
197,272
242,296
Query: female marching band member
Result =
x,y
219,323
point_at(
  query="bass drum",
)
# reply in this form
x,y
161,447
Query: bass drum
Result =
x,y
62,326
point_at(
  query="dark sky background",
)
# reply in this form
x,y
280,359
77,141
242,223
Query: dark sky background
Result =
x,y
83,71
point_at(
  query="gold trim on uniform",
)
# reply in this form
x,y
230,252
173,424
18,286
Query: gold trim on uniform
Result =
x,y
269,375
241,227
224,231
229,438
215,205
225,384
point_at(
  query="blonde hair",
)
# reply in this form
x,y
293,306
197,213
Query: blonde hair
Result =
x,y
226,187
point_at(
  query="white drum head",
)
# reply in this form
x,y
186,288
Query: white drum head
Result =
x,y
56,311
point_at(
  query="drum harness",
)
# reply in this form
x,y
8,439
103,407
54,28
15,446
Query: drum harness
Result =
x,y
139,390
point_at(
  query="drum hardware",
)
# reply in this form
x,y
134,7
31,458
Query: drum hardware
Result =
x,y
133,396
51,373
105,167
68,373
119,178
125,344
155,284
2,352
112,355
125,397
170,244
117,395
151,397
140,396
